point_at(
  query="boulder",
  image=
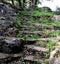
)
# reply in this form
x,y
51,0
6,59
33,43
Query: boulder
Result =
x,y
56,18
45,9
7,15
11,32
6,9
55,61
11,45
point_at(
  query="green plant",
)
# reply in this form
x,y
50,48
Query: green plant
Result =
x,y
50,44
50,22
18,21
54,33
41,43
46,61
34,36
45,21
25,37
32,20
19,34
40,28
37,62
38,13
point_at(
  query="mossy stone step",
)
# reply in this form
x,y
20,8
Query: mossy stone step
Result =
x,y
36,48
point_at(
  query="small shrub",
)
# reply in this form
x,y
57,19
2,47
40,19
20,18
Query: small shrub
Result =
x,y
50,44
34,36
19,34
40,28
41,43
46,61
37,62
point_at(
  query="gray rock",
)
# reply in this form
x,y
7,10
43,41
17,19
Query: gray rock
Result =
x,y
7,58
7,15
55,61
11,45
56,18
46,9
6,9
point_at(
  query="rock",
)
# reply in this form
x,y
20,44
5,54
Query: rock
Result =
x,y
8,30
55,61
3,55
9,58
45,9
36,48
31,58
56,18
7,15
6,9
11,45
7,21
55,54
12,32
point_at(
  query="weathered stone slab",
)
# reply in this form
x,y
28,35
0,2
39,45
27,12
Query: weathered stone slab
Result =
x,y
56,18
32,58
55,61
36,48
11,45
5,56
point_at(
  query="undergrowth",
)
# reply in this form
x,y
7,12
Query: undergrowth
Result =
x,y
38,13
50,44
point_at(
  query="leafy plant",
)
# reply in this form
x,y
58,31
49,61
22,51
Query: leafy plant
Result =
x,y
25,37
45,21
40,28
18,21
46,61
19,34
54,33
38,13
32,20
34,36
50,22
50,44
37,62
41,43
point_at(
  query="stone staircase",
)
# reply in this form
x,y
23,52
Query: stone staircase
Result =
x,y
38,53
27,48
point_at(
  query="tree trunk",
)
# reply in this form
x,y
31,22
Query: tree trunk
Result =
x,y
12,2
24,3
36,1
1,1
20,4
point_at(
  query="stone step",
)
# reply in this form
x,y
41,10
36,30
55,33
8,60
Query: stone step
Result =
x,y
40,39
57,39
48,26
36,48
45,39
31,58
6,56
9,58
48,33
44,26
34,32
21,39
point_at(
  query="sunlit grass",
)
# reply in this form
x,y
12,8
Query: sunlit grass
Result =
x,y
50,22
38,13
